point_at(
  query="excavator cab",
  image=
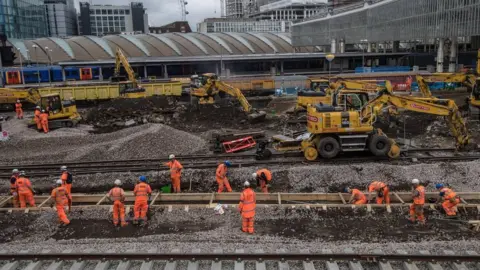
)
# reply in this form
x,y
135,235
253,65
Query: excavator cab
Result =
x,y
131,90
319,85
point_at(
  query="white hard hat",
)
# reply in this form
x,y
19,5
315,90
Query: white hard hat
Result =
x,y
172,156
246,184
59,182
415,181
22,173
38,107
15,171
18,100
63,168
254,175
118,182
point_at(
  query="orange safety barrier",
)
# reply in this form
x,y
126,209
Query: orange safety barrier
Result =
x,y
240,144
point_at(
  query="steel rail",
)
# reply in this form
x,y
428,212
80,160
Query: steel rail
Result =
x,y
238,257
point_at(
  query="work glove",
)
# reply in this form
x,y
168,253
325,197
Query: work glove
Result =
x,y
14,194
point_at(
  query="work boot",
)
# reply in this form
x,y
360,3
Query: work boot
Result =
x,y
123,224
135,222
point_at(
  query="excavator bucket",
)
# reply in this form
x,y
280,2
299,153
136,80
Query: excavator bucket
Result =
x,y
394,150
257,117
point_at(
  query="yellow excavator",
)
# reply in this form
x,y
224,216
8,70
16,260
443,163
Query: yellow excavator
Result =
x,y
127,88
474,98
334,130
204,89
60,113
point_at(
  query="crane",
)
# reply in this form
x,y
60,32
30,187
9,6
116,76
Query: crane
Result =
x,y
130,88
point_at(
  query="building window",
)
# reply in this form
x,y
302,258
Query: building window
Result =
x,y
122,18
104,11
115,11
104,18
122,12
92,11
127,12
98,11
115,18
110,18
110,23
110,12
123,29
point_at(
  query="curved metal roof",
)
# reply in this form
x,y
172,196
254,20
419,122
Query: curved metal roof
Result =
x,y
92,48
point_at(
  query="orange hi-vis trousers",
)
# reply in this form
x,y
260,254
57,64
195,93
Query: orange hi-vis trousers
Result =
x,y
62,217
119,213
247,224
140,208
416,213
25,198
222,184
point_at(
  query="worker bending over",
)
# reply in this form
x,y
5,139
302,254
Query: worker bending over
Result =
x,y
61,198
416,209
19,110
221,176
449,200
357,196
44,121
67,181
175,172
37,114
25,191
246,207
117,195
383,193
142,194
13,188
262,176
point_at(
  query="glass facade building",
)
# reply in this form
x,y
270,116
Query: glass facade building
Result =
x,y
23,19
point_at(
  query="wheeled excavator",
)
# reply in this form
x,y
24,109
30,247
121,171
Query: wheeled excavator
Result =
x,y
60,113
334,130
205,88
127,88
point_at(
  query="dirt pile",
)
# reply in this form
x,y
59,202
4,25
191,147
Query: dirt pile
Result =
x,y
146,141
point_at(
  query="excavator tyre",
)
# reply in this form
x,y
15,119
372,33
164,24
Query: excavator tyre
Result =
x,y
328,147
379,145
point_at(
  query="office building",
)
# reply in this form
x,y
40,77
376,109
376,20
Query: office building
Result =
x,y
174,27
214,25
61,18
100,20
23,19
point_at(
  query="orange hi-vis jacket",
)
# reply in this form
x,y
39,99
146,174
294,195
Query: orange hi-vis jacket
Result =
x,y
60,195
449,194
18,107
267,173
358,195
376,186
221,172
37,114
117,194
175,168
141,191
23,186
419,195
44,117
248,203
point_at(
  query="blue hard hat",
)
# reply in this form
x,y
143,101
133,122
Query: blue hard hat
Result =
x,y
227,163
143,178
346,190
439,186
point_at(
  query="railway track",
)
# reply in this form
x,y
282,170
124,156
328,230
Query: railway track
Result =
x,y
240,260
211,161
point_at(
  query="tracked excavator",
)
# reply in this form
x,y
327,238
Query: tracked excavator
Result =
x,y
60,113
127,87
204,89
334,130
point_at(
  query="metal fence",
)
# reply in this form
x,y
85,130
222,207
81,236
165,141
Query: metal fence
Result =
x,y
393,20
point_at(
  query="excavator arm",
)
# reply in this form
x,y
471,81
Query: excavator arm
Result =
x,y
423,86
440,107
121,60
234,92
8,95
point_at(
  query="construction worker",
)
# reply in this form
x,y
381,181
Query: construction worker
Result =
x,y
18,109
44,121
61,197
37,118
262,176
449,200
13,188
67,181
383,193
357,196
142,194
221,176
416,209
175,172
25,191
117,195
247,206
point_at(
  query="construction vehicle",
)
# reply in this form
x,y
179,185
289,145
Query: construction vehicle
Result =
x,y
61,113
334,130
474,98
127,88
467,80
204,89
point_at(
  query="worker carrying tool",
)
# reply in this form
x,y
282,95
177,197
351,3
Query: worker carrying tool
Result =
x,y
416,208
44,121
221,176
246,207
18,109
383,193
142,194
449,200
62,200
357,197
37,114
67,181
175,172
24,190
13,188
263,177
117,195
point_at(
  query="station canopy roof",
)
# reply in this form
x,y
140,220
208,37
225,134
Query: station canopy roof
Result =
x,y
91,48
